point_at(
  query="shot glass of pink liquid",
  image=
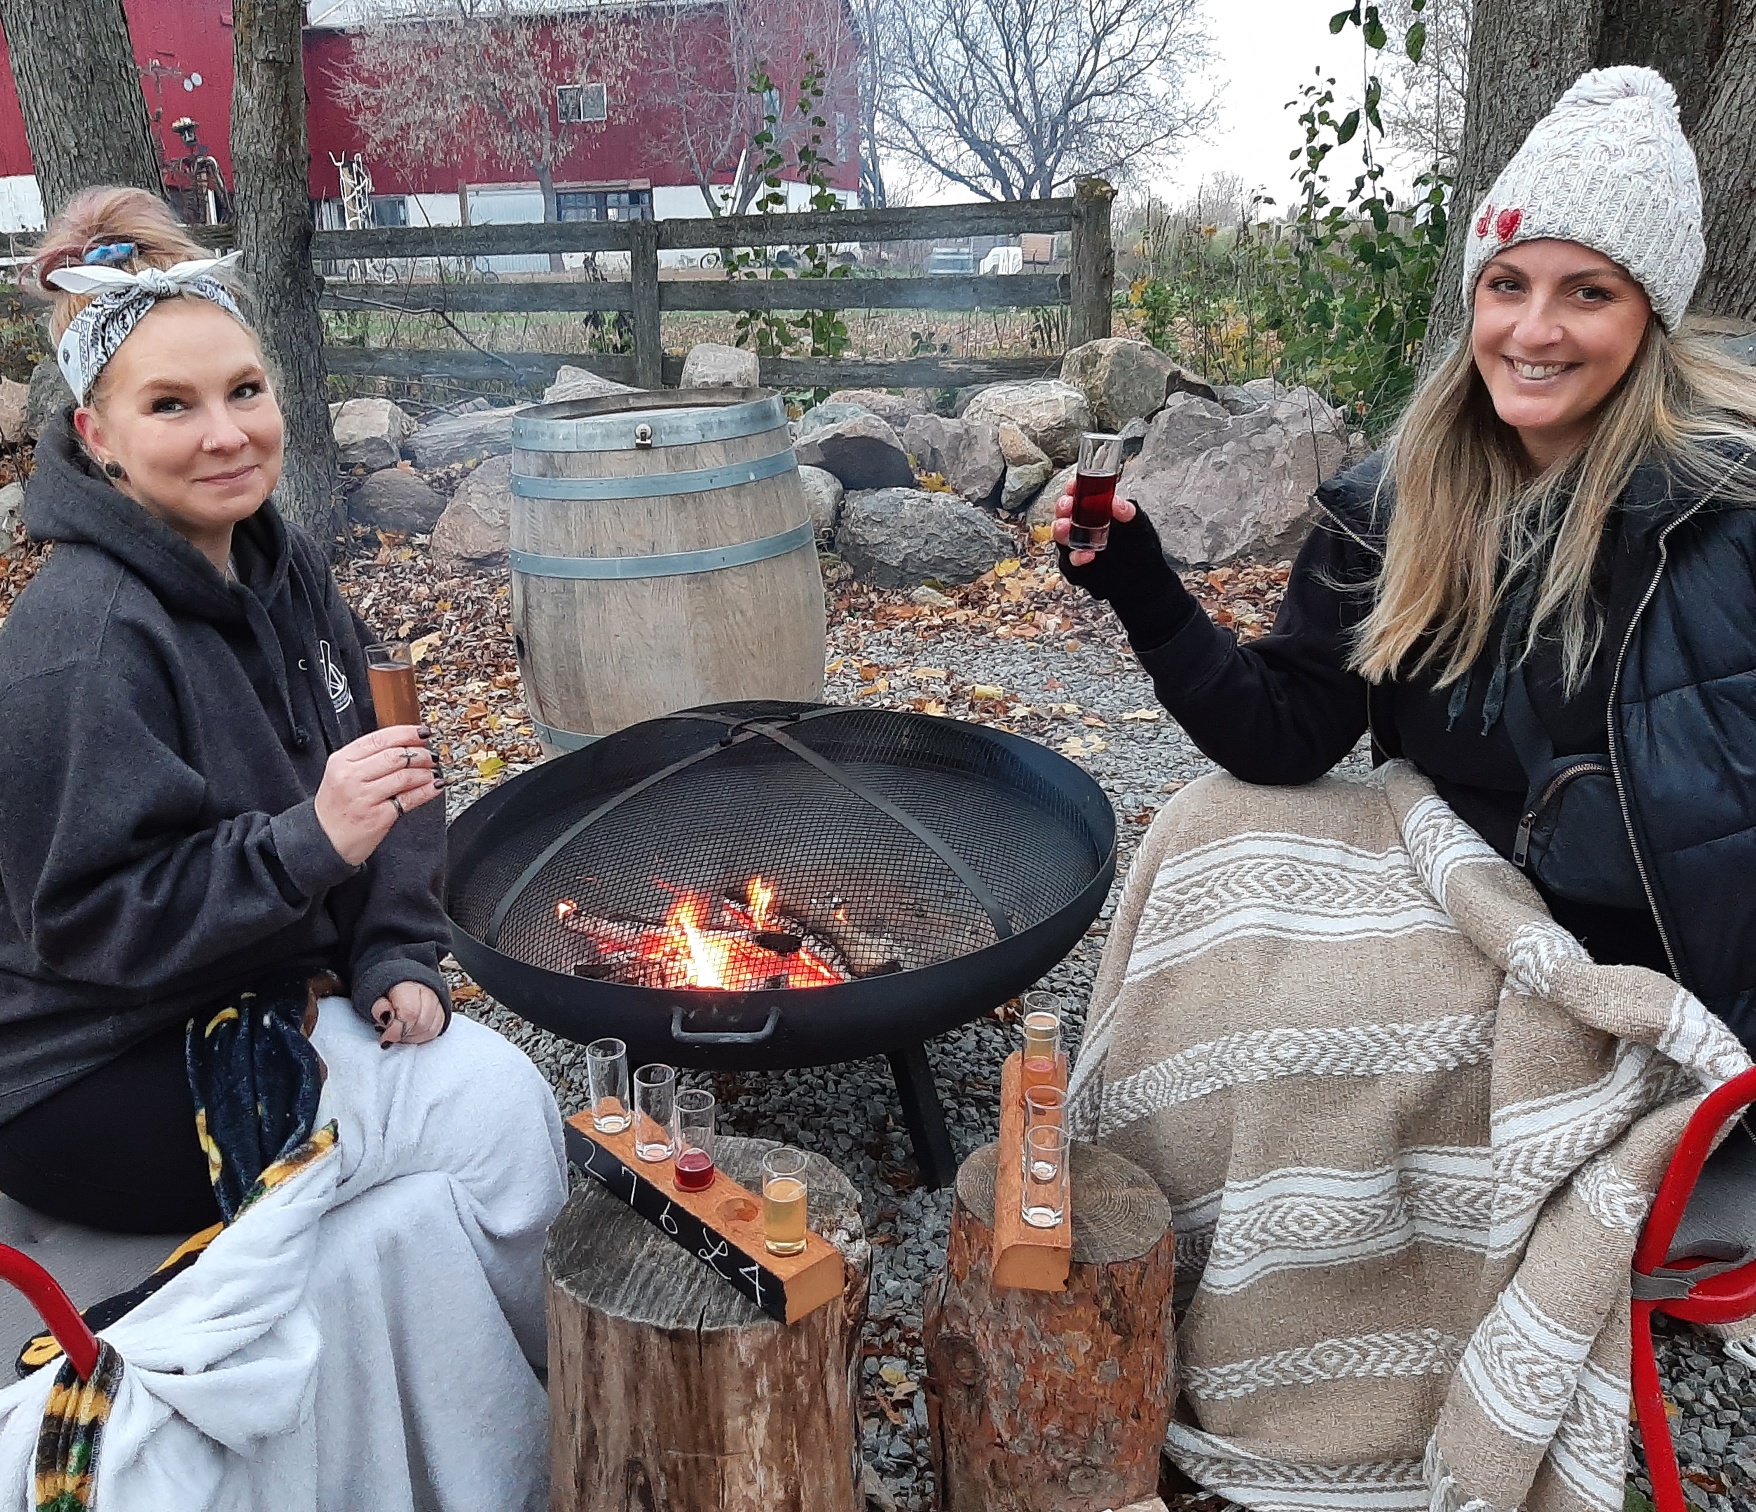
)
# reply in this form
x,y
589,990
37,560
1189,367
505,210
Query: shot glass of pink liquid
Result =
x,y
1094,490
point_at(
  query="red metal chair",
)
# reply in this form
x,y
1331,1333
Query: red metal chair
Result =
x,y
1696,1259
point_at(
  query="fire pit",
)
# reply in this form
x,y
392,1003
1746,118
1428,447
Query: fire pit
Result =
x,y
760,885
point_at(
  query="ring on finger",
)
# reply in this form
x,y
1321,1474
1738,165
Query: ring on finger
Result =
x,y
408,757
396,801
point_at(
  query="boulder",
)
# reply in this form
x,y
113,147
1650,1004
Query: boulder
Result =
x,y
11,512
862,451
396,498
830,412
369,432
1218,484
823,496
965,453
14,411
898,537
1053,414
1122,380
48,396
1027,468
461,438
1265,390
577,383
1042,507
473,532
1235,400
712,365
896,409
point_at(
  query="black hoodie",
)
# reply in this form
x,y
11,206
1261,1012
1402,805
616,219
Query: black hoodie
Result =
x,y
163,733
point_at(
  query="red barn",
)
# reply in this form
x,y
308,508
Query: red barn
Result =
x,y
624,146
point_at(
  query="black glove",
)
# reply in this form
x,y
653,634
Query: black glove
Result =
x,y
1133,577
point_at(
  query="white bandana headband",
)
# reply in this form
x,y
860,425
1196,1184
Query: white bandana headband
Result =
x,y
120,301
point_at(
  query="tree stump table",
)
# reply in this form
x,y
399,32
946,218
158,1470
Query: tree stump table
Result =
x,y
1054,1401
668,1389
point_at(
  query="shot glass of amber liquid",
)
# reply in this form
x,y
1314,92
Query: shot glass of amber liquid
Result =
x,y
1042,1039
783,1201
390,669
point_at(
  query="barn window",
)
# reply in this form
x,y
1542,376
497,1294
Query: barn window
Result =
x,y
582,102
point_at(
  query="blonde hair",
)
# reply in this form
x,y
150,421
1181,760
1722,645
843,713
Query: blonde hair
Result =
x,y
1470,521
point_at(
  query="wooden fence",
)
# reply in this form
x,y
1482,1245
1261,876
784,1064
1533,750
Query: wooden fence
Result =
x,y
1085,289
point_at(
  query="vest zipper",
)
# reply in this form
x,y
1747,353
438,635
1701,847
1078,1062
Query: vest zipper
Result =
x,y
1521,844
1658,573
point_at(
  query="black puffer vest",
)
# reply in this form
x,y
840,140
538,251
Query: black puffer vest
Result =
x,y
1681,625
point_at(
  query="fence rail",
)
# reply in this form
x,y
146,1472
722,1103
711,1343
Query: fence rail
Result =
x,y
1084,289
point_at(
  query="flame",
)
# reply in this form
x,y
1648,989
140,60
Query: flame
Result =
x,y
761,904
709,958
566,909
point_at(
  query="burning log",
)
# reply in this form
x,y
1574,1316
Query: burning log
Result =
x,y
866,954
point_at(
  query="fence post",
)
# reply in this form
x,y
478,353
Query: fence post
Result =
x,y
1091,264
643,278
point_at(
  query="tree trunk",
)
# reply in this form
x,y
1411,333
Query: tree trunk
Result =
x,y
84,113
1522,55
668,1389
1728,175
272,217
551,210
1045,1401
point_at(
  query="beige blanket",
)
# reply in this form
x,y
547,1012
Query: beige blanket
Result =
x,y
1409,1132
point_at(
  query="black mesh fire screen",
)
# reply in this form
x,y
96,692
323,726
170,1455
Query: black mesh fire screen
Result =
x,y
847,843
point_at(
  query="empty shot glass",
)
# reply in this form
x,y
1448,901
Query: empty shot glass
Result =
x,y
655,1096
606,1071
1044,1105
1044,1201
783,1201
694,1132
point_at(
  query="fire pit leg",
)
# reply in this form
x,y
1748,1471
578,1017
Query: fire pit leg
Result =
x,y
923,1115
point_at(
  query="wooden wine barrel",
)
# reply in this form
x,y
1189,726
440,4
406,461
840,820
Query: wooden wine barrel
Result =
x,y
662,557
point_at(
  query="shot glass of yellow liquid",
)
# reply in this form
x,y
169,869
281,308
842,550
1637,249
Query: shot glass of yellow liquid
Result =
x,y
783,1201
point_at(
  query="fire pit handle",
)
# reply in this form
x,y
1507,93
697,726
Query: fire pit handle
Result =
x,y
722,1036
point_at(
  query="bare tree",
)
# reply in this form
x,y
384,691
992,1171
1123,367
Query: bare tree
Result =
x,y
1424,99
428,78
1013,99
84,114
272,215
706,57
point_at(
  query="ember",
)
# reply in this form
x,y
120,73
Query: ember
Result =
x,y
730,943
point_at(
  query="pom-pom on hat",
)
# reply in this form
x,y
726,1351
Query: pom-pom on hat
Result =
x,y
1610,168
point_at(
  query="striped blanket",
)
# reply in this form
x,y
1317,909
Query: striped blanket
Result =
x,y
1409,1132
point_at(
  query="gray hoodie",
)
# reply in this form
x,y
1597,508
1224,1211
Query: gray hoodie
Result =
x,y
162,736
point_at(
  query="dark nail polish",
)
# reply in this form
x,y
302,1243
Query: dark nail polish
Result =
x,y
423,731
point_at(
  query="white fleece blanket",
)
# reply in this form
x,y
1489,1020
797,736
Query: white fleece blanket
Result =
x,y
363,1336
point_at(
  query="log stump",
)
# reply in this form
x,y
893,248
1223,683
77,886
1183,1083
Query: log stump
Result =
x,y
1054,1401
669,1390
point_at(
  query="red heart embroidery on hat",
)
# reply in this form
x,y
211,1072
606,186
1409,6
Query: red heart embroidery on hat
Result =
x,y
1506,225
1483,221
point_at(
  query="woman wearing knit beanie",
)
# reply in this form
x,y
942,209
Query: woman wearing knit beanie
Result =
x,y
1543,591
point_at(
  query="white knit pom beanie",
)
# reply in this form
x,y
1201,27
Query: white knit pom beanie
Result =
x,y
1610,168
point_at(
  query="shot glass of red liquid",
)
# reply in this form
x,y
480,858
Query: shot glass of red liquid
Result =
x,y
694,1126
1094,490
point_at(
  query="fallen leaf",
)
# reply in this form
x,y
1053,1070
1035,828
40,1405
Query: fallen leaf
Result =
x,y
881,686
892,1374
986,690
1042,533
423,648
870,670
1094,722
929,674
1145,716
465,992
1071,645
1007,567
834,667
488,763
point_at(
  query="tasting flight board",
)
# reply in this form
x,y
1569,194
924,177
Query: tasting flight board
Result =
x,y
1029,1258
721,1225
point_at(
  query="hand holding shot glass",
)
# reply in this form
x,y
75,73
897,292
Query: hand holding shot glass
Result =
x,y
390,671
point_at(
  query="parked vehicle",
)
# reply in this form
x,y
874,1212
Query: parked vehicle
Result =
x,y
950,262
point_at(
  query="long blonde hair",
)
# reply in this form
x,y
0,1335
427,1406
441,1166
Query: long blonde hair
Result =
x,y
1470,521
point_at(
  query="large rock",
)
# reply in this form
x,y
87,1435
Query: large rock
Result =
x,y
898,537
965,453
14,411
396,498
862,451
830,412
1053,414
1042,507
369,432
577,383
896,409
49,395
712,365
461,438
1122,380
1027,468
823,496
473,531
1217,484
